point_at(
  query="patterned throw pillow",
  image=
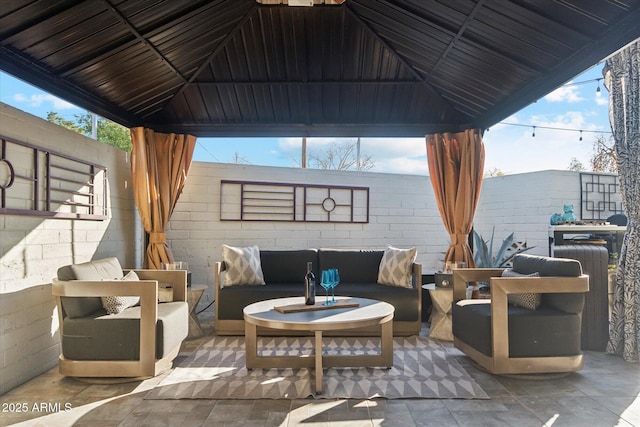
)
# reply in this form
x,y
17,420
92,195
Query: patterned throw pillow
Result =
x,y
242,266
530,301
117,304
395,267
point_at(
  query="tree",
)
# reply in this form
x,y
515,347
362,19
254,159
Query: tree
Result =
x,y
576,165
341,157
108,132
605,158
493,172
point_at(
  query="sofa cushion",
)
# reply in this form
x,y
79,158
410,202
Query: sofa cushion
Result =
x,y
395,267
553,267
528,300
242,266
102,269
355,266
116,304
287,266
233,299
541,333
117,337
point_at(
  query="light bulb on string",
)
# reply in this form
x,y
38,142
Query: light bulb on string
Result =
x,y
533,134
580,135
598,92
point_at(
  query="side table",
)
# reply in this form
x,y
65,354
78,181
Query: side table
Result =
x,y
441,298
194,294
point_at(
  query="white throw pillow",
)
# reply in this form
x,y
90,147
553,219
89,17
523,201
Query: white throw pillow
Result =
x,y
242,266
117,304
530,300
395,267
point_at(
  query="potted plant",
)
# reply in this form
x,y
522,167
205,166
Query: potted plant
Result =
x,y
485,258
483,251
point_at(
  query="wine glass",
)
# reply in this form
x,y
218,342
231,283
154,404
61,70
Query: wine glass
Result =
x,y
326,283
335,279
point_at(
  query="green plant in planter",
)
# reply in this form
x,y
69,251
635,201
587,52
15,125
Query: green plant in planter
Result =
x,y
483,251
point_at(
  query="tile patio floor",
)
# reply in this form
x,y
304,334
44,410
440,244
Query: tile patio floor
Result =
x,y
605,393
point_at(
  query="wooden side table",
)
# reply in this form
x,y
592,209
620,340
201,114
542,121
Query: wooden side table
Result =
x,y
194,294
441,298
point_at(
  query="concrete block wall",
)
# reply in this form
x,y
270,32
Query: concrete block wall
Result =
x,y
523,204
32,248
402,212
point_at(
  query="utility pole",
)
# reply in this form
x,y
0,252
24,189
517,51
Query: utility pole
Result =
x,y
358,165
94,126
304,152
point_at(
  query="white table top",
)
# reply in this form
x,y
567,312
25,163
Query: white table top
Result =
x,y
369,312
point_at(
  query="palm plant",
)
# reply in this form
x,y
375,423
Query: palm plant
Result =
x,y
483,253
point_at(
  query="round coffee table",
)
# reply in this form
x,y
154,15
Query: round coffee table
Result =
x,y
368,313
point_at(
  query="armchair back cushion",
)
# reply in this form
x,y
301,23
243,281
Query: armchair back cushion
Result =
x,y
550,267
103,269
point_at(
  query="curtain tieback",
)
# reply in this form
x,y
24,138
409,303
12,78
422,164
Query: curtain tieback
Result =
x,y
458,239
155,237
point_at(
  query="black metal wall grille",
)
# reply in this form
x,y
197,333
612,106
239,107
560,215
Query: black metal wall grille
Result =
x,y
39,182
599,196
272,201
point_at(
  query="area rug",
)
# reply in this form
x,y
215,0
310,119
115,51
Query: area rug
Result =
x,y
216,370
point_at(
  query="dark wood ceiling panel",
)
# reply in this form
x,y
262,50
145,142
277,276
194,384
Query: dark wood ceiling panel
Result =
x,y
366,67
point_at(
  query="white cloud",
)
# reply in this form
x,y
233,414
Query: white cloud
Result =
x,y
565,94
602,99
41,99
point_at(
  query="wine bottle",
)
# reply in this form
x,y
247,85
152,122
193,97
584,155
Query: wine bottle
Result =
x,y
309,286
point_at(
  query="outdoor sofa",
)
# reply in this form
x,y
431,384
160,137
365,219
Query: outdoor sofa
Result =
x,y
283,272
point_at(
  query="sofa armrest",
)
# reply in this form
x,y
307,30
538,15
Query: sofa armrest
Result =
x,y
147,290
176,278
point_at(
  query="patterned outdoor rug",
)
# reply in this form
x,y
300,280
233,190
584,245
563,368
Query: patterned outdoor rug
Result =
x,y
216,370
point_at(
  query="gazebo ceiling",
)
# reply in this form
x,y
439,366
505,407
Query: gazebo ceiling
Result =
x,y
360,68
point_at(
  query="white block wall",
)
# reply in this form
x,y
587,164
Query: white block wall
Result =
x,y
33,248
524,203
402,212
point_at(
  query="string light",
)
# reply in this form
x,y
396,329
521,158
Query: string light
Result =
x,y
598,88
534,127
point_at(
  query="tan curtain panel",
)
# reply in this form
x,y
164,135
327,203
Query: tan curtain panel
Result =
x,y
159,166
456,163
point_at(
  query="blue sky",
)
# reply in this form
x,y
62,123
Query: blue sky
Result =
x,y
509,148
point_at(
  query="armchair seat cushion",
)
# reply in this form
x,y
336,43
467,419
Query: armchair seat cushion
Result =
x,y
101,336
541,333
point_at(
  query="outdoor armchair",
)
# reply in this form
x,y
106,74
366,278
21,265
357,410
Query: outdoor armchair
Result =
x,y
140,339
504,338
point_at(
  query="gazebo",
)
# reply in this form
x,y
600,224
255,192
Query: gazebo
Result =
x,y
331,68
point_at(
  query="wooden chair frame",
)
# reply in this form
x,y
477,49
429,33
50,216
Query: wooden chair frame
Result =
x,y
501,287
147,289
400,328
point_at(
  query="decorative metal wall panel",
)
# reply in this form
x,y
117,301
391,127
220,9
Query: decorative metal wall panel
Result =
x,y
600,196
39,182
274,201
